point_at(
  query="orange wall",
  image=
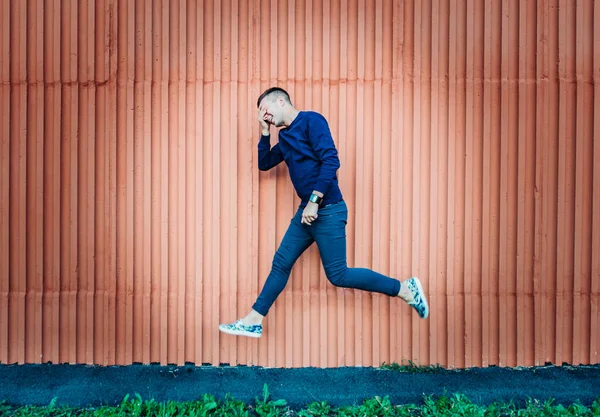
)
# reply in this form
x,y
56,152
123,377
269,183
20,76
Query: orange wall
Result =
x,y
133,218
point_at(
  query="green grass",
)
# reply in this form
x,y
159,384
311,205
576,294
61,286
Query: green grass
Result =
x,y
411,367
208,405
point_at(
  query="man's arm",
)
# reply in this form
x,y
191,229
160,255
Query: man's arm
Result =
x,y
323,145
268,157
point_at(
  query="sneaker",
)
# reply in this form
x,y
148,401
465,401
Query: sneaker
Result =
x,y
237,328
420,301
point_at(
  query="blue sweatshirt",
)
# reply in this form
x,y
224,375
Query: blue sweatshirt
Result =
x,y
308,149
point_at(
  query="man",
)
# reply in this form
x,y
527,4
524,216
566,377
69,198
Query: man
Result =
x,y
306,145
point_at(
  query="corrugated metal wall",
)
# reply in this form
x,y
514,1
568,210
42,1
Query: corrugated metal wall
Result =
x,y
133,218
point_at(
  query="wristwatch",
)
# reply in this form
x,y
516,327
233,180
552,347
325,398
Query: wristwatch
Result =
x,y
315,199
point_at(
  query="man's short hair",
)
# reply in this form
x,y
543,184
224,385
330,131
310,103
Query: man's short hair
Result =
x,y
274,90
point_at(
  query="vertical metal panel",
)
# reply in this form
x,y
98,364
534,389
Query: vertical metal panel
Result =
x,y
594,350
86,183
5,116
35,184
584,167
527,192
17,183
134,220
473,181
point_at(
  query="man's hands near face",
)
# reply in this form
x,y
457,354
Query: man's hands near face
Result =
x,y
309,214
262,121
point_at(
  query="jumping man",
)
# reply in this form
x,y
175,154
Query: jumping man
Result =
x,y
306,145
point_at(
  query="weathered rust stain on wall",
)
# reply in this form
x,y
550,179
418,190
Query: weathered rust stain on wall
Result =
x,y
133,218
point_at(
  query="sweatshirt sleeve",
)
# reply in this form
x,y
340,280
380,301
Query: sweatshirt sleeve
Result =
x,y
320,138
268,157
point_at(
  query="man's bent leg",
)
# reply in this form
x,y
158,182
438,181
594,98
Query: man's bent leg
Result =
x,y
330,234
295,241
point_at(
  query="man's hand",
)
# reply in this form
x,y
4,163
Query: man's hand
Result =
x,y
310,213
264,125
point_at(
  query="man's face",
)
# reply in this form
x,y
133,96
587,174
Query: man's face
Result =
x,y
273,108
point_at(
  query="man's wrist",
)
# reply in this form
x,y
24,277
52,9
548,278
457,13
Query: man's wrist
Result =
x,y
316,198
266,133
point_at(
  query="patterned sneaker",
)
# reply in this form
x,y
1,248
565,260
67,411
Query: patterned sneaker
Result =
x,y
237,328
420,301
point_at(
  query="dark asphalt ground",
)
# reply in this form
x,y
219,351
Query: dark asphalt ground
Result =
x,y
81,385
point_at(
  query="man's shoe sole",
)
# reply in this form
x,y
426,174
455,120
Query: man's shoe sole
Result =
x,y
239,333
417,282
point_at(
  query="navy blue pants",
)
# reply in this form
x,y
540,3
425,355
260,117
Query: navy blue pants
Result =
x,y
329,231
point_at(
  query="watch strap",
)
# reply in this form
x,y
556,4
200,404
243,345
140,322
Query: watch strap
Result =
x,y
315,199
